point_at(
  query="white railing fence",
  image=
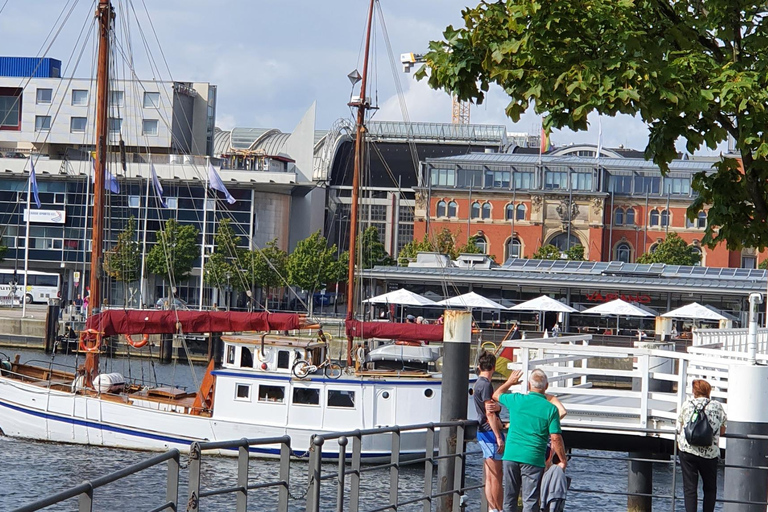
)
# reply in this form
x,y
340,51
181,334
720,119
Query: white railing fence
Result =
x,y
730,339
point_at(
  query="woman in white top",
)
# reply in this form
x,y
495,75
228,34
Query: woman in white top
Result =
x,y
700,460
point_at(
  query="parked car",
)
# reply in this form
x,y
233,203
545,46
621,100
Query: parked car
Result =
x,y
165,303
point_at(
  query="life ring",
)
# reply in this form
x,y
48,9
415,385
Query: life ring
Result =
x,y
137,344
92,335
491,344
409,343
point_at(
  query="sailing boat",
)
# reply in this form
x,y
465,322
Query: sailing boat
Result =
x,y
268,385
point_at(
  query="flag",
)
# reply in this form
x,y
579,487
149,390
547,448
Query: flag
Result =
x,y
599,136
33,184
110,180
157,186
545,144
215,183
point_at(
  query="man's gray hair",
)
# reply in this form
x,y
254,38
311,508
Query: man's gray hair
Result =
x,y
538,380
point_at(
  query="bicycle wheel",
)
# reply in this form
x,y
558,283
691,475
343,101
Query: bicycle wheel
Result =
x,y
300,369
333,371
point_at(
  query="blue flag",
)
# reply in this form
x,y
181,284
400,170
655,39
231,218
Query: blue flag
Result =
x,y
157,186
33,184
214,180
110,180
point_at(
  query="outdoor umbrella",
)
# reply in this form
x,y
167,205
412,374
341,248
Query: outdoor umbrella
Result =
x,y
695,311
542,304
619,308
401,297
471,300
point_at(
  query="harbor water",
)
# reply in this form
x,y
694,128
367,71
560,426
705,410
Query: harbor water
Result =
x,y
32,469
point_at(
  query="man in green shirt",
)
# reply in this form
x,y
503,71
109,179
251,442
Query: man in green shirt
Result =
x,y
533,420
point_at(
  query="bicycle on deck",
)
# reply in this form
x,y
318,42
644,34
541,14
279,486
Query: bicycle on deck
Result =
x,y
303,368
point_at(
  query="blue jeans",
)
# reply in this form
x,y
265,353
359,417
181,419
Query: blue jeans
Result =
x,y
521,477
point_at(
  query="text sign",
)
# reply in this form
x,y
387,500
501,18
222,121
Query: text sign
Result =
x,y
608,297
45,216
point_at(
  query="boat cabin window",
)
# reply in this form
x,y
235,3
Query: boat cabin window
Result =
x,y
306,396
246,358
231,354
243,392
271,393
283,359
337,398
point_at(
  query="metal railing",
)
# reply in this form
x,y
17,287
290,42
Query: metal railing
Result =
x,y
84,491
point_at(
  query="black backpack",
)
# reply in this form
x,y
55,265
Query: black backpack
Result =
x,y
698,431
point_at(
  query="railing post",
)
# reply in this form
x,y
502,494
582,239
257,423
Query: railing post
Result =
x,y
354,479
193,501
429,466
242,476
341,474
645,379
525,356
172,483
85,502
682,383
394,471
458,469
315,472
285,475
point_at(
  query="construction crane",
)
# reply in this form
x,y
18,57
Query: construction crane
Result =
x,y
459,109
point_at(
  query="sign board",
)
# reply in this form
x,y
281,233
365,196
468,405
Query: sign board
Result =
x,y
45,216
76,277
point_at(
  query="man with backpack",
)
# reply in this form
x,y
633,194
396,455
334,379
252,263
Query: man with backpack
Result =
x,y
700,423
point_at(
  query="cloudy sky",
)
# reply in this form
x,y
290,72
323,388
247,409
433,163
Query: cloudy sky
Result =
x,y
271,59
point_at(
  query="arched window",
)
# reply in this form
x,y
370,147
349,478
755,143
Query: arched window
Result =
x,y
509,212
689,223
697,250
441,208
653,248
629,217
561,241
654,218
618,216
701,220
624,252
486,210
520,212
475,210
452,209
481,243
514,248
664,218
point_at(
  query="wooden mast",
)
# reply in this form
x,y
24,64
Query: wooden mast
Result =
x,y
105,14
361,105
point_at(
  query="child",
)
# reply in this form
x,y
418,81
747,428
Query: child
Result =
x,y
554,486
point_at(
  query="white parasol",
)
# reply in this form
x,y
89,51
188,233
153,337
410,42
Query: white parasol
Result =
x,y
544,303
401,297
471,300
695,311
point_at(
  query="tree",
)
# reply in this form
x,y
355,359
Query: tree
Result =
x,y
312,264
174,252
3,251
267,266
693,69
673,251
444,242
373,252
123,261
550,252
224,267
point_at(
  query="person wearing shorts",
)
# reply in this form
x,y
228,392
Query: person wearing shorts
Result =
x,y
489,431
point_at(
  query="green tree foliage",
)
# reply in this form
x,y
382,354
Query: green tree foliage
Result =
x,y
312,264
692,69
225,266
444,241
174,252
3,251
267,266
550,252
673,251
373,252
123,261
763,265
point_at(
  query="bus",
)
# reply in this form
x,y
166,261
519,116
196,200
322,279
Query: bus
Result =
x,y
41,286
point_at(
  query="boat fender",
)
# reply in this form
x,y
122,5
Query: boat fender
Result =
x,y
78,384
137,344
5,366
91,335
109,383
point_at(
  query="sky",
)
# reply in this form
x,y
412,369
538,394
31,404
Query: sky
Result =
x,y
271,59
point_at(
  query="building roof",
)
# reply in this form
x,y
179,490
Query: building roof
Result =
x,y
605,275
437,132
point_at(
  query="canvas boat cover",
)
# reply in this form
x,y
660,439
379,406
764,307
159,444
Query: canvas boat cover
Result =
x,y
395,331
